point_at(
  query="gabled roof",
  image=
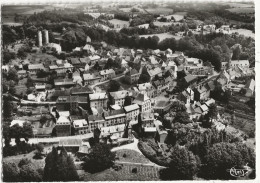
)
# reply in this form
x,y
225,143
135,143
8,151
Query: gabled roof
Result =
x,y
204,108
131,107
98,96
133,72
69,99
35,66
114,114
145,86
70,142
79,123
250,85
93,118
154,71
189,78
63,82
63,121
108,71
120,94
75,60
141,98
210,101
90,76
80,90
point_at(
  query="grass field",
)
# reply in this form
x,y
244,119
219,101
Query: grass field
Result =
x,y
127,155
119,23
160,11
162,36
245,32
8,12
242,10
122,175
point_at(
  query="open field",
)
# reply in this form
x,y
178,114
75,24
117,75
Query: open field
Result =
x,y
127,155
238,5
160,11
245,32
160,24
242,10
119,23
162,36
143,174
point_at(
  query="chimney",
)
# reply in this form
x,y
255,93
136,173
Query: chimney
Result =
x,y
40,38
46,35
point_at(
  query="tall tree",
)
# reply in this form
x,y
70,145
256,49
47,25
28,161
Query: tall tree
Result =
x,y
113,86
183,166
59,167
99,159
223,156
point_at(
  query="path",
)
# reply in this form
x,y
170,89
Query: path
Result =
x,y
54,139
100,83
133,146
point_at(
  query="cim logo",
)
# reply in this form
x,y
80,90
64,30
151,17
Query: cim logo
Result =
x,y
241,172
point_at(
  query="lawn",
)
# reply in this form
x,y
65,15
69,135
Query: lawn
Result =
x,y
162,36
39,57
160,10
38,163
245,32
160,24
126,155
242,10
143,174
120,23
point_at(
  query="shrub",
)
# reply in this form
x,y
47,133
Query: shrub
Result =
x,y
10,172
99,159
29,173
24,161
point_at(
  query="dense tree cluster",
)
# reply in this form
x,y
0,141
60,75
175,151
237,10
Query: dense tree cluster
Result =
x,y
59,167
122,16
99,159
223,156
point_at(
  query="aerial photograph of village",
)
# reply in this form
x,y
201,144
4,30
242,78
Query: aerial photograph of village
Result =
x,y
131,91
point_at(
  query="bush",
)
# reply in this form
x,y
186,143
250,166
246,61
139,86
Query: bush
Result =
x,y
10,172
29,173
151,154
24,161
99,159
223,156
134,170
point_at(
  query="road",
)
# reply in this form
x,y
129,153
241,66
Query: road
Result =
x,y
54,139
100,83
133,146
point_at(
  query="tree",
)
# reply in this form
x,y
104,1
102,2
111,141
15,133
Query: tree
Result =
x,y
39,150
183,165
182,117
11,172
7,108
23,162
29,173
59,167
41,73
7,56
144,78
223,156
99,159
128,101
18,132
212,114
113,86
43,119
12,75
236,53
